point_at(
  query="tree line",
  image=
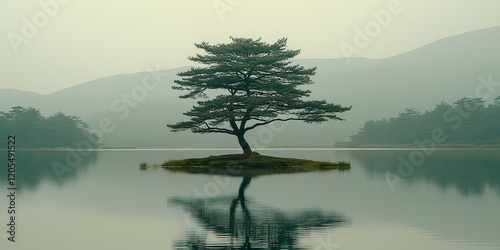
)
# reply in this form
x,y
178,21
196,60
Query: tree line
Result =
x,y
466,121
33,130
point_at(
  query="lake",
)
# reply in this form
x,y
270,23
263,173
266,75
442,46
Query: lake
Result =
x,y
447,199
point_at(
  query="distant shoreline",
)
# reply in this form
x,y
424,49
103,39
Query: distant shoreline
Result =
x,y
360,147
440,146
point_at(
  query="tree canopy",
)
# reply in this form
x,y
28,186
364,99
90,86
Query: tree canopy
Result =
x,y
466,121
33,130
256,84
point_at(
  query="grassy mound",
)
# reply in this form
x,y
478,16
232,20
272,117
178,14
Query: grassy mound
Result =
x,y
250,164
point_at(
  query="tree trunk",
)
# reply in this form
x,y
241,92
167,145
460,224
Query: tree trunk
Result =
x,y
243,186
232,210
244,144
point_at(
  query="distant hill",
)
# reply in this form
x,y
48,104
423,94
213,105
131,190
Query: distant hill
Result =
x,y
447,69
92,97
472,48
12,97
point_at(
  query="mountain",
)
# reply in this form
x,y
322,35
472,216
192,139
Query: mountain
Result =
x,y
12,97
447,69
472,48
95,96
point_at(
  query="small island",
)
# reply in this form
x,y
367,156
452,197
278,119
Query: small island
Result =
x,y
248,165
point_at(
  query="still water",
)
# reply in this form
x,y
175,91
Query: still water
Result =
x,y
450,201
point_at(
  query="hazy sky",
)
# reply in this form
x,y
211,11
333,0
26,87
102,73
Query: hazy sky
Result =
x,y
45,48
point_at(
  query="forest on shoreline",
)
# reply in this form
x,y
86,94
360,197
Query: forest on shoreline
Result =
x,y
33,130
468,122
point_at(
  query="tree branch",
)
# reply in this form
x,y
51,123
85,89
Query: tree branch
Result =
x,y
273,120
216,130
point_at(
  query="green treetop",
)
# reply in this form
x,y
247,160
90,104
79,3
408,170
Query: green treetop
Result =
x,y
259,86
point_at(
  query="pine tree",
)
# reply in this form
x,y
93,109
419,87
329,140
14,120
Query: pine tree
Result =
x,y
259,86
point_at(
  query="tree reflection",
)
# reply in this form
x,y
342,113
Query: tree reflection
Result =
x,y
33,167
240,223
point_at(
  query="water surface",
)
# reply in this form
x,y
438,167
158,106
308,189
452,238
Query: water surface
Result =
x,y
450,201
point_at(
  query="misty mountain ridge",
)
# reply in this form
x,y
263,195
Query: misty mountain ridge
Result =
x,y
447,69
